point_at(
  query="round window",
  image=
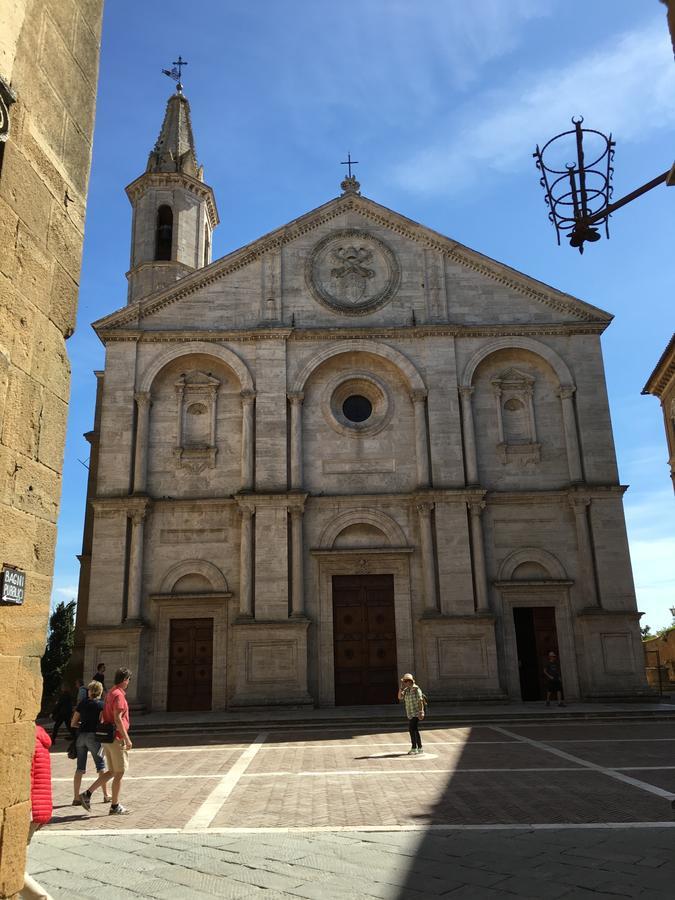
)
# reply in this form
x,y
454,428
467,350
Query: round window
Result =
x,y
357,408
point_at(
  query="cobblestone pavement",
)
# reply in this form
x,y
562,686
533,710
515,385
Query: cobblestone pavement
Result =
x,y
558,809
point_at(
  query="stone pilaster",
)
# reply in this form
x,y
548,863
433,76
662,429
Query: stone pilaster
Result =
x,y
296,440
246,563
566,394
470,457
297,568
421,440
135,589
580,507
476,508
247,439
424,511
143,402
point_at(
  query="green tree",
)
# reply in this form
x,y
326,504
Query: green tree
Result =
x,y
60,640
646,631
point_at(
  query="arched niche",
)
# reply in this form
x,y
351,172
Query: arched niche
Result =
x,y
516,564
392,533
546,353
193,567
198,348
410,374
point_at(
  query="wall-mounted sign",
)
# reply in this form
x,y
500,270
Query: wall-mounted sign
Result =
x,y
12,586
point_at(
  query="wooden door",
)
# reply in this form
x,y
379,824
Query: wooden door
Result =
x,y
536,636
364,634
190,664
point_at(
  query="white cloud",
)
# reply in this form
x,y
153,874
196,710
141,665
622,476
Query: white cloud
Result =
x,y
626,87
651,535
69,591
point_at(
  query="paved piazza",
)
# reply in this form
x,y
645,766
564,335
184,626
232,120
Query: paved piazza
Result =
x,y
569,808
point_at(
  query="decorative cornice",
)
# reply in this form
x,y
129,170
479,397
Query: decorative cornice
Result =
x,y
379,215
663,373
373,332
160,180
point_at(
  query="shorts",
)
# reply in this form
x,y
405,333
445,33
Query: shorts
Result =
x,y
87,743
552,687
116,757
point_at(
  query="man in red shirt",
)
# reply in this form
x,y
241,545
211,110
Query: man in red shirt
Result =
x,y
116,709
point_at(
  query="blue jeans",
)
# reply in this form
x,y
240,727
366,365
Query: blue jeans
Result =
x,y
86,742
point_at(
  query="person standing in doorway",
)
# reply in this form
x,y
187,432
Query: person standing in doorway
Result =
x,y
410,694
116,709
99,674
553,679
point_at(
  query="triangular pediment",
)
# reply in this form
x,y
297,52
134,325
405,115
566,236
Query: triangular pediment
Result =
x,y
561,306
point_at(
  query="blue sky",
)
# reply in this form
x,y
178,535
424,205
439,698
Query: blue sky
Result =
x,y
442,102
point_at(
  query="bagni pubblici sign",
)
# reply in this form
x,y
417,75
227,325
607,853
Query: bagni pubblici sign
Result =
x,y
12,586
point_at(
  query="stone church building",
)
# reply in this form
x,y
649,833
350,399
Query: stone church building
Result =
x,y
350,449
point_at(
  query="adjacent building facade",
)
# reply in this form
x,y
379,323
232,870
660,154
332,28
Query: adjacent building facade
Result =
x,y
661,384
49,53
350,449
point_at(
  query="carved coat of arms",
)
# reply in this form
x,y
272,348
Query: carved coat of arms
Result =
x,y
352,272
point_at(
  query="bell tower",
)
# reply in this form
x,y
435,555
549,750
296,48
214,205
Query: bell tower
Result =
x,y
174,211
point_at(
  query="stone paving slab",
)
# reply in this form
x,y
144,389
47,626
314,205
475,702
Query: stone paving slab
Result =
x,y
636,862
464,798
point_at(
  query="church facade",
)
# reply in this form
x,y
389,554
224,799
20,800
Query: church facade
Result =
x,y
350,449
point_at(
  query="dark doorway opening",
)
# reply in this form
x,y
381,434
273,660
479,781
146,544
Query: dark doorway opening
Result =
x,y
190,664
364,634
535,637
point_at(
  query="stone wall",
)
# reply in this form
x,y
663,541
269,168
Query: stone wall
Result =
x,y
49,53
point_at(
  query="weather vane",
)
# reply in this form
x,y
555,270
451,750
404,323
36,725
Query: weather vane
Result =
x,y
578,194
176,72
350,162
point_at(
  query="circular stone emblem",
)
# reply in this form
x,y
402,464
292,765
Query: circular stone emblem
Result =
x,y
352,272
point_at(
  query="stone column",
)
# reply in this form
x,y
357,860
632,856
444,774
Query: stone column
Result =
x,y
180,391
297,592
421,441
246,563
143,402
476,508
566,394
580,507
428,560
135,588
247,428
296,399
470,458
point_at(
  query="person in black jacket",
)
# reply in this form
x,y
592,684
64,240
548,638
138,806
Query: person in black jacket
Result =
x,y
63,713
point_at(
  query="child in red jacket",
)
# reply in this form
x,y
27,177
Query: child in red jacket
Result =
x,y
41,803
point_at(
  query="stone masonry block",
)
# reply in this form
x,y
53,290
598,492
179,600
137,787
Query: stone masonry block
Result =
x,y
63,14
9,669
44,544
64,240
52,431
14,838
17,317
34,273
63,309
46,111
17,740
86,49
25,192
77,155
66,76
28,689
23,629
23,407
37,490
50,361
18,534
9,223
